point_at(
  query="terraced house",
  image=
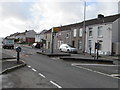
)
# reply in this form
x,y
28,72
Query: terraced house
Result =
x,y
99,30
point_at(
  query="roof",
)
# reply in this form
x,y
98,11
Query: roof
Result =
x,y
106,19
42,32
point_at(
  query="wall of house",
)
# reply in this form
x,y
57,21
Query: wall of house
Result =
x,y
38,37
116,36
30,40
105,39
48,39
62,37
30,34
76,39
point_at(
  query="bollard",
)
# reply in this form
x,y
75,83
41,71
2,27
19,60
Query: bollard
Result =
x,y
90,50
18,50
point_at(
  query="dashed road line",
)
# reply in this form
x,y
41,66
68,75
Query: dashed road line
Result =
x,y
97,72
29,66
41,75
45,77
34,70
55,84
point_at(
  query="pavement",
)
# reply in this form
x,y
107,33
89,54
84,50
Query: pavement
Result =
x,y
83,57
9,63
19,75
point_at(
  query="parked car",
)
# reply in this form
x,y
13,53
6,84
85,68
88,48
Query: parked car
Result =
x,y
67,48
35,45
8,43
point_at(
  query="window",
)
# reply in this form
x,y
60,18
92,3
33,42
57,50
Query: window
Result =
x,y
90,32
100,45
100,31
80,32
80,44
75,33
67,36
90,43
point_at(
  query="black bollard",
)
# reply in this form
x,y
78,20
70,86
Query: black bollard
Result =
x,y
18,50
18,57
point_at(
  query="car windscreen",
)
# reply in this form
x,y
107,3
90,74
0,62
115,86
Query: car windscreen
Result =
x,y
71,46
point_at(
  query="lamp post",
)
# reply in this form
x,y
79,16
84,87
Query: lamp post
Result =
x,y
84,29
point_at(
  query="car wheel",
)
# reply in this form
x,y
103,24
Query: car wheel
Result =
x,y
61,50
68,50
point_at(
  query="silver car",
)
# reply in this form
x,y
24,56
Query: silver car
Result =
x,y
67,48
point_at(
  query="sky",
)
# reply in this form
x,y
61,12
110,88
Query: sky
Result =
x,y
21,15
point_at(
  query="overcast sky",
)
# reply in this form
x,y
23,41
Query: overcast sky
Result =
x,y
21,15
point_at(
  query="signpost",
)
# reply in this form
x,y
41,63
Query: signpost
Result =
x,y
54,30
96,48
18,50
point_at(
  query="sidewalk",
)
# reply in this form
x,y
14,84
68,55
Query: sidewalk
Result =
x,y
10,65
82,57
21,78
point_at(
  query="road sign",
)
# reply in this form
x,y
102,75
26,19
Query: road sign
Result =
x,y
55,29
18,49
96,45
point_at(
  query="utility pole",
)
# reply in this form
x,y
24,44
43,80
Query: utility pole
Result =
x,y
52,41
84,29
53,31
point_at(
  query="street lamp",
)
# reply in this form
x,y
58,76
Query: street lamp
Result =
x,y
84,29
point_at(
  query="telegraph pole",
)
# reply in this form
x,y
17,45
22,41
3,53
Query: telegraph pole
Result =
x,y
52,41
84,29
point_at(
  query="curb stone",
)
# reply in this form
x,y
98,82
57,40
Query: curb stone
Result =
x,y
54,54
13,68
87,60
8,58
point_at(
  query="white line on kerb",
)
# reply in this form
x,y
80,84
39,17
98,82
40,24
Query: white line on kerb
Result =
x,y
97,72
75,64
42,75
55,84
34,70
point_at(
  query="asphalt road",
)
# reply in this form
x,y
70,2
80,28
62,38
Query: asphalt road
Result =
x,y
64,75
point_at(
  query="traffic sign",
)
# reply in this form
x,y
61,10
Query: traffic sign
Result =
x,y
55,29
96,45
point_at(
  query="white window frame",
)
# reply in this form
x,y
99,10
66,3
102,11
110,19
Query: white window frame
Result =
x,y
74,32
80,32
90,30
90,43
80,44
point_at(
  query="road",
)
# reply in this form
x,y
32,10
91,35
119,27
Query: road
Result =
x,y
64,74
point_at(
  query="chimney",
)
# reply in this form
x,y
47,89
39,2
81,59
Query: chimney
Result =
x,y
100,16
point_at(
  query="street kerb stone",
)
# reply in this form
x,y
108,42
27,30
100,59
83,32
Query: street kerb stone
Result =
x,y
10,65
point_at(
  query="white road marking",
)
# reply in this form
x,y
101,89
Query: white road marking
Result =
x,y
55,84
115,75
42,75
29,66
75,64
97,72
34,70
